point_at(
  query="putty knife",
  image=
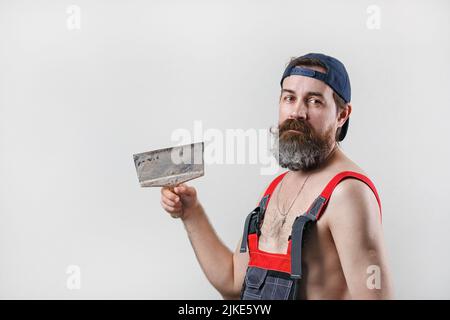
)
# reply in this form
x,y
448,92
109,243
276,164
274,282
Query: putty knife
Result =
x,y
170,166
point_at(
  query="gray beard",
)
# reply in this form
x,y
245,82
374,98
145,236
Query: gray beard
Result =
x,y
295,156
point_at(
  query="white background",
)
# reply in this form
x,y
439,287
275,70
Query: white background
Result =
x,y
75,105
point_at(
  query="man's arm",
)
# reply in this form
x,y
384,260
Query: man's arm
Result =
x,y
240,263
353,216
224,269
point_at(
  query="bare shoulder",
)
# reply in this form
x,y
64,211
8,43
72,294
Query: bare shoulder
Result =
x,y
353,199
351,189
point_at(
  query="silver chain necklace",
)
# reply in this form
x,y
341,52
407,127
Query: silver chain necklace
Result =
x,y
284,215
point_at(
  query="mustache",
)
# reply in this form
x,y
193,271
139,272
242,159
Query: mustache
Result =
x,y
298,125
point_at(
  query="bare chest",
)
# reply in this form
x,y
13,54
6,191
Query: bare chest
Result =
x,y
275,232
287,202
320,260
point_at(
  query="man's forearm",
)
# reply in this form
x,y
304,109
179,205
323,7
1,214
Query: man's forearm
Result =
x,y
215,259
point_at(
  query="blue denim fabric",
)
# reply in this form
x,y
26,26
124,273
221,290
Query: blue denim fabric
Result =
x,y
259,285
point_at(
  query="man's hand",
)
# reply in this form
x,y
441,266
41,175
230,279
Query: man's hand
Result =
x,y
179,201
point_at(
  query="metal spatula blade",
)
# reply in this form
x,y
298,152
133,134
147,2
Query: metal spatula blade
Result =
x,y
170,166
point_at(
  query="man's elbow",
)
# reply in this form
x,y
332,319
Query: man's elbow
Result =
x,y
232,294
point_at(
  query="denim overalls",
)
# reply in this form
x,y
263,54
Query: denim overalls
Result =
x,y
273,276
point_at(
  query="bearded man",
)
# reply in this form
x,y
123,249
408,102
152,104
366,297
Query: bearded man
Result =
x,y
316,232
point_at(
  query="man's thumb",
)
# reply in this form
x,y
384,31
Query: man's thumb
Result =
x,y
184,189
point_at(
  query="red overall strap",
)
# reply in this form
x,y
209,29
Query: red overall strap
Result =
x,y
283,262
328,190
314,213
273,185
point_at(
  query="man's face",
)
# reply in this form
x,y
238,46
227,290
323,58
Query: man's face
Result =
x,y
307,122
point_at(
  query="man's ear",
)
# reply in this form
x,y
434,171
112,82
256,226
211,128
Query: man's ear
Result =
x,y
344,114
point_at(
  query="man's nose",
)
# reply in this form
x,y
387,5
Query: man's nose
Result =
x,y
300,111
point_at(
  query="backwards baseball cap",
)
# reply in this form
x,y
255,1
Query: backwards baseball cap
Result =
x,y
336,77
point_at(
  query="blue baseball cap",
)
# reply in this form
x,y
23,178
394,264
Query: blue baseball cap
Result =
x,y
336,77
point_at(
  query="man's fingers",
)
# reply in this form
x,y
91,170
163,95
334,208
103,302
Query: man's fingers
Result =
x,y
166,192
166,207
169,208
168,202
183,189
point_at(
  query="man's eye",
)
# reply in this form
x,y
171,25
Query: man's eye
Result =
x,y
315,101
289,98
